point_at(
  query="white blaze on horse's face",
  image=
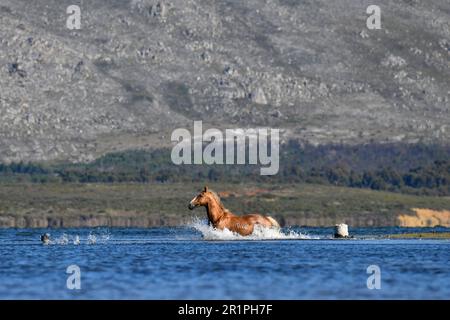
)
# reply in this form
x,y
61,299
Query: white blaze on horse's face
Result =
x,y
192,204
199,200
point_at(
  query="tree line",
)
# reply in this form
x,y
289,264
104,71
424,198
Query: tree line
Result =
x,y
407,168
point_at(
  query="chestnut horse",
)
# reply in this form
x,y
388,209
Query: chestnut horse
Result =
x,y
222,218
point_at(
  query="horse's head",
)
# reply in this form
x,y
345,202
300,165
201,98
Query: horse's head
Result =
x,y
201,199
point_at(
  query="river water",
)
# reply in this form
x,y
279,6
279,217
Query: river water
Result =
x,y
197,262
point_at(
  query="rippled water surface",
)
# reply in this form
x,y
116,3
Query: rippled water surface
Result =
x,y
196,262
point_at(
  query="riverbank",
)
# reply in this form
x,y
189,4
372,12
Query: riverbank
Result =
x,y
55,205
421,235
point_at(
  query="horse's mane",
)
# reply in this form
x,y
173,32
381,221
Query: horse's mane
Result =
x,y
217,198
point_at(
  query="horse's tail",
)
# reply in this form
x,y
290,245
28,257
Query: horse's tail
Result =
x,y
273,222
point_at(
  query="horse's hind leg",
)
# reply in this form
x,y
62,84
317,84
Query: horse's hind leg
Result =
x,y
273,222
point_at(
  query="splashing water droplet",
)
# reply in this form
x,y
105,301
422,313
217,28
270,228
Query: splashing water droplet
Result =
x,y
63,240
92,239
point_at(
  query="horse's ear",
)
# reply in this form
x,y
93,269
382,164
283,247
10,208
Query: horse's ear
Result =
x,y
205,189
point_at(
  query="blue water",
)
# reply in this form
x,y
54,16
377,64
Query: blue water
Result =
x,y
179,263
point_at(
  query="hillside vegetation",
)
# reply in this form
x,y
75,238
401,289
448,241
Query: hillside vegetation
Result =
x,y
413,169
144,205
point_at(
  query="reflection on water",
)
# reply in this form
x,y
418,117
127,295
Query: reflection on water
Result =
x,y
189,263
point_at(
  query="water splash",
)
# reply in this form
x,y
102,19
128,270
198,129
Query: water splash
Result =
x,y
259,233
100,235
105,237
62,240
92,239
97,236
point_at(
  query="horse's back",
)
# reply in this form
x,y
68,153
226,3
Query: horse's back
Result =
x,y
260,219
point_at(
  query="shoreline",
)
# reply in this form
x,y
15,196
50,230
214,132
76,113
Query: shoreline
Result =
x,y
421,235
57,205
146,221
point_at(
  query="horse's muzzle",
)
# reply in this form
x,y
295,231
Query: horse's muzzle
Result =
x,y
191,206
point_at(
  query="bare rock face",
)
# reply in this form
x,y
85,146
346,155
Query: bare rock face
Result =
x,y
258,96
138,69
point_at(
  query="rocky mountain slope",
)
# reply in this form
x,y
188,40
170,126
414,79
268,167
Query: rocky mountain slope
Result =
x,y
139,69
